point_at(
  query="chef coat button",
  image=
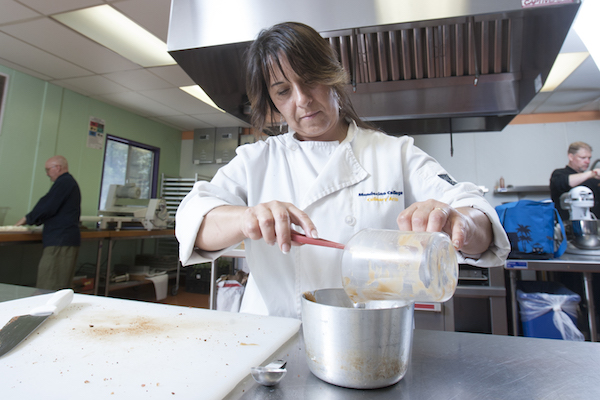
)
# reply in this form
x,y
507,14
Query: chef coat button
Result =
x,y
350,220
293,147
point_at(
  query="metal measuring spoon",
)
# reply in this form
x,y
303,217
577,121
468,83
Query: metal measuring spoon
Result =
x,y
270,374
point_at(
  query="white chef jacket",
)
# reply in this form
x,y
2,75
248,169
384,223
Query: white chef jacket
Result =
x,y
363,182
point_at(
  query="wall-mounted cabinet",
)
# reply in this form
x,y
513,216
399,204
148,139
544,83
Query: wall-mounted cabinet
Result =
x,y
204,146
215,145
227,140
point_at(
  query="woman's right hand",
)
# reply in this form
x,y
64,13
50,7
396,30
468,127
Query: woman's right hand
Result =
x,y
225,226
272,222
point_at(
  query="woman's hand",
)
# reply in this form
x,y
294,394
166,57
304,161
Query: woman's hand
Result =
x,y
469,229
272,222
227,225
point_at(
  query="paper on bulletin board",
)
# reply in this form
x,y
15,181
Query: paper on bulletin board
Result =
x,y
95,138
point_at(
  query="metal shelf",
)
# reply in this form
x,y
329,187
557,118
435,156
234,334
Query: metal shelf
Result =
x,y
523,189
173,190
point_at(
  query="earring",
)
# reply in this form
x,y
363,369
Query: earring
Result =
x,y
280,123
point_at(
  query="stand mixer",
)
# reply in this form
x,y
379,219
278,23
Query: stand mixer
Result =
x,y
584,225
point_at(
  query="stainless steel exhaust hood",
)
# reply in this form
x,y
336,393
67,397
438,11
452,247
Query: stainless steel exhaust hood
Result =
x,y
417,66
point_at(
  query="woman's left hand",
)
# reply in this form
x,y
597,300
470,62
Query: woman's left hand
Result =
x,y
469,229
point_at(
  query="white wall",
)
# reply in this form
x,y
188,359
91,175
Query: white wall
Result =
x,y
523,154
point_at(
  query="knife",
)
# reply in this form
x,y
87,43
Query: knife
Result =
x,y
18,328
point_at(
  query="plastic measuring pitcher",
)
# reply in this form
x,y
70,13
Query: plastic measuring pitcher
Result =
x,y
393,265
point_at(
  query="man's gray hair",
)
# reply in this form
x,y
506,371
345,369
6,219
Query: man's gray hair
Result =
x,y
575,146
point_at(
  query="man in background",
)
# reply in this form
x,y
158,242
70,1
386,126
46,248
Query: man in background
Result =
x,y
59,210
576,174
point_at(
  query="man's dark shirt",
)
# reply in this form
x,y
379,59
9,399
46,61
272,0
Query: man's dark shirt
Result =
x,y
59,210
559,184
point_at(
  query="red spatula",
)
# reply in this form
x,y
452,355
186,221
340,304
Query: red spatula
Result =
x,y
300,238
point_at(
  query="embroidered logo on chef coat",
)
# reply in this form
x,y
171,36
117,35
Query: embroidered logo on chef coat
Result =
x,y
390,195
447,178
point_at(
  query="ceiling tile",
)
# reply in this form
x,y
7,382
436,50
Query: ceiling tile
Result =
x,y
138,104
95,85
573,43
155,22
69,45
169,124
593,106
138,79
183,122
16,67
13,11
219,119
49,7
73,88
587,76
180,100
38,60
173,74
573,99
564,101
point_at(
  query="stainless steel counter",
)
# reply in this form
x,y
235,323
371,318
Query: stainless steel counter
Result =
x,y
444,365
13,292
453,365
585,264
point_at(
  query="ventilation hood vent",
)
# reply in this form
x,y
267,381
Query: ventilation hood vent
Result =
x,y
468,67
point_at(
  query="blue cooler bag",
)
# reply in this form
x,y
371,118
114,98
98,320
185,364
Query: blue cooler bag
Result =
x,y
533,229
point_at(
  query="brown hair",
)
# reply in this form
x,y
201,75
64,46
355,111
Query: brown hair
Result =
x,y
575,146
311,58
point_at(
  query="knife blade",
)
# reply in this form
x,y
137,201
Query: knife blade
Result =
x,y
20,327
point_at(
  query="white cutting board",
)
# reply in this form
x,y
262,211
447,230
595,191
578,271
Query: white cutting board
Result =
x,y
99,348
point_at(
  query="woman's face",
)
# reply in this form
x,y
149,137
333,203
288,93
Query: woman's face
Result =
x,y
311,110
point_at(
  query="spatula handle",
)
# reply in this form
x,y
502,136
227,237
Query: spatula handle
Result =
x,y
300,238
55,304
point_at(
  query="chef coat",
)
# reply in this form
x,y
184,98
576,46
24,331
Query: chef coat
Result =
x,y
363,182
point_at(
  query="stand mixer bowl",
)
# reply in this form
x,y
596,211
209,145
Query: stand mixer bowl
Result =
x,y
585,234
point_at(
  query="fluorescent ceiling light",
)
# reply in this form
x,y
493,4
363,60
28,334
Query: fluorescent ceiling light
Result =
x,y
110,28
563,66
587,27
200,94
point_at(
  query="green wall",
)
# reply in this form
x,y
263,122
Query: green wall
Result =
x,y
42,120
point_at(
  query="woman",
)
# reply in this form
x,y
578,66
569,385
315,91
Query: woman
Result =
x,y
331,176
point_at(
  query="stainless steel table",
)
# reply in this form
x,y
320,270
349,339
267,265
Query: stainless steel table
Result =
x,y
566,263
12,292
444,365
453,365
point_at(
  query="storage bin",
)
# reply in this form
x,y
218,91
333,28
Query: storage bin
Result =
x,y
539,301
197,278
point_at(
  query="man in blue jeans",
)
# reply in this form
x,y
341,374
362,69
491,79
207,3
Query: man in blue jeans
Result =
x,y
59,210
